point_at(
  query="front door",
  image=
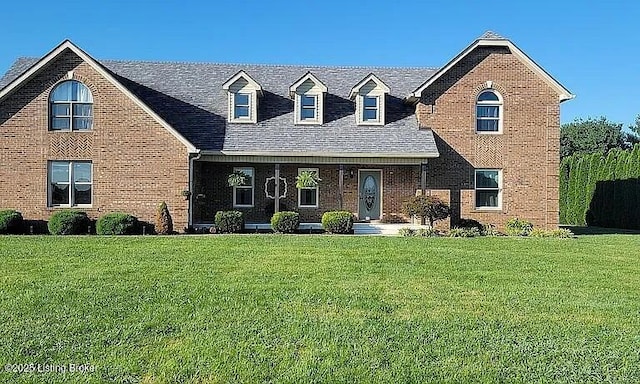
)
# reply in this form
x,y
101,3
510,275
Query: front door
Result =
x,y
370,194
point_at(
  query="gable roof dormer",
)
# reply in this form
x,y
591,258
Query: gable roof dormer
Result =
x,y
308,95
242,93
370,94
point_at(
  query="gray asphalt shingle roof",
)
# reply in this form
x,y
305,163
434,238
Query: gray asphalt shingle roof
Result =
x,y
190,98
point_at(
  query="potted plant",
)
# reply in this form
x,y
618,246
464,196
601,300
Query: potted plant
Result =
x,y
237,179
307,179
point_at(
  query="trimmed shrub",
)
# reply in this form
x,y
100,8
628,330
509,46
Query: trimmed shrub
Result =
x,y
426,207
229,221
469,223
465,232
10,222
337,222
517,227
117,224
69,222
285,221
164,223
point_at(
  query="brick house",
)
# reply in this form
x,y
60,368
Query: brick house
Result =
x,y
482,132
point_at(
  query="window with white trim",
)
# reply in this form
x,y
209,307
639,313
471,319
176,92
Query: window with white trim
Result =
x,y
308,196
70,183
489,112
370,108
71,107
308,106
241,105
243,194
488,189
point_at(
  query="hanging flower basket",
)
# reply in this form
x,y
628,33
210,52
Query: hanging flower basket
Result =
x,y
237,179
307,179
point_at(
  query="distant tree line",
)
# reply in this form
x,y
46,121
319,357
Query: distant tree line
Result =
x,y
596,135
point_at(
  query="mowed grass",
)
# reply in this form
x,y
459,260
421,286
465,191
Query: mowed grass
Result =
x,y
270,308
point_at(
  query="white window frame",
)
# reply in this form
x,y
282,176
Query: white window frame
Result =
x,y
315,108
70,183
476,189
498,104
252,187
365,109
236,105
71,116
317,188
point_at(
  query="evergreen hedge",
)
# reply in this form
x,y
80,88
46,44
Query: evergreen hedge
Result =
x,y
601,189
11,221
117,224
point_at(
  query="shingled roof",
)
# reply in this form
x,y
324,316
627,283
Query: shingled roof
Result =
x,y
189,96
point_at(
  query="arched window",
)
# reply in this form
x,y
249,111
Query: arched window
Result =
x,y
489,112
71,106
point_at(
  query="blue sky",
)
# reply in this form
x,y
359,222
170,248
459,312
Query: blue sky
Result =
x,y
591,47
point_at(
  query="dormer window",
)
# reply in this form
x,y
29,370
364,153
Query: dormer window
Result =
x,y
370,108
241,105
308,95
243,93
369,95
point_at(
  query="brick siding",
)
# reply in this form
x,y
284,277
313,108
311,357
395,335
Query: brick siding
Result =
x,y
136,162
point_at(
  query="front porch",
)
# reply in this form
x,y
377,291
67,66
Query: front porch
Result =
x,y
373,189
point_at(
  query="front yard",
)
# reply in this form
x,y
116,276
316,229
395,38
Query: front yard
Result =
x,y
270,308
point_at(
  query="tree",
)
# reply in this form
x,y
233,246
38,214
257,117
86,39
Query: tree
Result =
x,y
426,207
593,135
164,223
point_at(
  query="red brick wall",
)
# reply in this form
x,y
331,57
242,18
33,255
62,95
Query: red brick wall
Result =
x,y
399,183
136,162
527,151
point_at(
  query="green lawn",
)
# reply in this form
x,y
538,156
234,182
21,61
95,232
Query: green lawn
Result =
x,y
270,308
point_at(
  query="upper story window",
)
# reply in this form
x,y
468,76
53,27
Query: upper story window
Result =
x,y
71,106
370,108
241,106
369,95
489,112
488,189
70,183
243,93
308,95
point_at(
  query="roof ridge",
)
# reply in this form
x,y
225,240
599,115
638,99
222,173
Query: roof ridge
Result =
x,y
302,66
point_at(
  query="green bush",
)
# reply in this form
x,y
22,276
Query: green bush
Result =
x,y
420,232
285,221
490,230
229,221
469,223
407,232
427,208
337,222
465,232
517,227
10,222
69,222
117,224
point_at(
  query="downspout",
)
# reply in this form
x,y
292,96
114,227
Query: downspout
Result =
x,y
191,187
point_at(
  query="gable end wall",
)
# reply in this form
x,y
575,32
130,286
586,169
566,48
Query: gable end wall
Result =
x,y
136,162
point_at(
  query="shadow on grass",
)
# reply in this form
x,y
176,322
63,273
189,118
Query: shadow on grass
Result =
x,y
600,230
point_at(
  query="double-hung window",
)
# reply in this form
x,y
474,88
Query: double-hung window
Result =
x,y
241,106
70,183
71,106
308,105
308,196
243,194
489,112
488,188
370,108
